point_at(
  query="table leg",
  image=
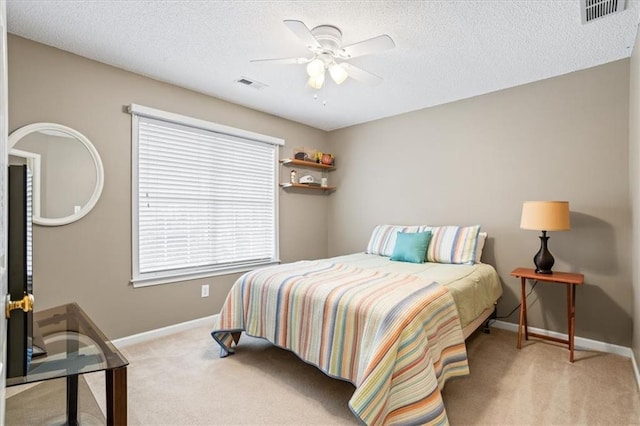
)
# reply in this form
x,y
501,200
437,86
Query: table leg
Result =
x,y
72,400
523,312
524,304
571,308
72,380
116,383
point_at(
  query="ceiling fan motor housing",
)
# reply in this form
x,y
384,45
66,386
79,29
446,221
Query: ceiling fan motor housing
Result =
x,y
329,37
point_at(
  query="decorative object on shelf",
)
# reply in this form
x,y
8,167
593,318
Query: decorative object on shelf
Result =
x,y
301,156
324,182
545,216
327,159
318,157
304,153
325,44
293,178
307,179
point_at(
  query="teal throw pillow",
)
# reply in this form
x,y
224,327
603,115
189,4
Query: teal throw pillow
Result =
x,y
411,246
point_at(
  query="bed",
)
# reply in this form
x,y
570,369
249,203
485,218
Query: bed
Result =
x,y
395,329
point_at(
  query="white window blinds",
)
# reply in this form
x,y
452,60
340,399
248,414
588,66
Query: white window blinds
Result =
x,y
205,201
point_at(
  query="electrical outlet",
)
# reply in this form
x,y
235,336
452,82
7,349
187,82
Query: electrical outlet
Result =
x,y
204,291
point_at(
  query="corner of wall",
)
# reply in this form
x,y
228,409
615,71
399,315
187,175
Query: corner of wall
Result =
x,y
635,369
634,188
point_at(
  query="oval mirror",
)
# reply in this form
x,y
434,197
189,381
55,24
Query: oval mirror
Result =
x,y
66,169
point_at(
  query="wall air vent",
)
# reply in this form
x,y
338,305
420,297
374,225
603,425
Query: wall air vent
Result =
x,y
251,83
594,9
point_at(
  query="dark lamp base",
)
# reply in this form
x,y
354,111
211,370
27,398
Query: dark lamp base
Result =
x,y
543,259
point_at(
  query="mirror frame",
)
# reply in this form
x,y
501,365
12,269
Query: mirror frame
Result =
x,y
18,134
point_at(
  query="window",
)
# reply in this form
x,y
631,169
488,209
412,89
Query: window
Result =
x,y
204,198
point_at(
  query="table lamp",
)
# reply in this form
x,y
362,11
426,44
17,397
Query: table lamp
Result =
x,y
545,216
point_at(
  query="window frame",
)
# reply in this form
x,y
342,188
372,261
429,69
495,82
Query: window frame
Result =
x,y
164,277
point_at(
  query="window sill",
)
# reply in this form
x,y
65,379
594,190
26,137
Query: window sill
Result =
x,y
168,279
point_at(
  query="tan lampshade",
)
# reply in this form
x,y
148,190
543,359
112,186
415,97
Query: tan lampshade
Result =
x,y
545,215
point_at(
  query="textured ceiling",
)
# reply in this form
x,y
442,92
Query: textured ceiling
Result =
x,y
445,50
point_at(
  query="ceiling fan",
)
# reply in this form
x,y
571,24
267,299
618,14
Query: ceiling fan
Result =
x,y
325,44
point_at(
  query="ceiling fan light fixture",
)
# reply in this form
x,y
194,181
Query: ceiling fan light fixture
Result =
x,y
316,68
325,45
338,73
317,81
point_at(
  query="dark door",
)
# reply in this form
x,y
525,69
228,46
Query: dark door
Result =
x,y
19,268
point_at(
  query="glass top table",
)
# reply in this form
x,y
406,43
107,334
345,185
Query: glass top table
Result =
x,y
75,345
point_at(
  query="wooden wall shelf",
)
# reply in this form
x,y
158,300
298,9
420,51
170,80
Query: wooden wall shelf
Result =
x,y
301,163
291,162
304,186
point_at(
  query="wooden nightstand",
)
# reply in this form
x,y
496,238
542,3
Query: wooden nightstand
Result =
x,y
570,280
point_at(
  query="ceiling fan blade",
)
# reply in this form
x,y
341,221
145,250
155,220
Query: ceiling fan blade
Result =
x,y
303,33
284,60
361,75
366,47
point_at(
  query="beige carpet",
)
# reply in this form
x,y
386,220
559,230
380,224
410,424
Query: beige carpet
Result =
x,y
179,380
45,404
537,385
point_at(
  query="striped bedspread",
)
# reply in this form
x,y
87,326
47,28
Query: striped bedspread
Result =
x,y
396,337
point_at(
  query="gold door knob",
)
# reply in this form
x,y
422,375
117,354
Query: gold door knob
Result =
x,y
26,304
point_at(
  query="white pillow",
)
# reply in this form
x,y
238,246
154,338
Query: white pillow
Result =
x,y
482,236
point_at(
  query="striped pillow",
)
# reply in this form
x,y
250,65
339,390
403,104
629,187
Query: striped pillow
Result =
x,y
383,238
453,244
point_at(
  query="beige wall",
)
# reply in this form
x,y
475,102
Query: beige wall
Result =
x,y
472,161
634,179
475,161
89,261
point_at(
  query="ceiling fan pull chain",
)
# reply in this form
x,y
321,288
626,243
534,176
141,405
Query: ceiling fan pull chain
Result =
x,y
324,95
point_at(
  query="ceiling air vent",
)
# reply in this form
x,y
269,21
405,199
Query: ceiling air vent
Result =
x,y
594,9
251,83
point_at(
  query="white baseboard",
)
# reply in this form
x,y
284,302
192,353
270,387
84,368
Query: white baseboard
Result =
x,y
161,332
580,342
